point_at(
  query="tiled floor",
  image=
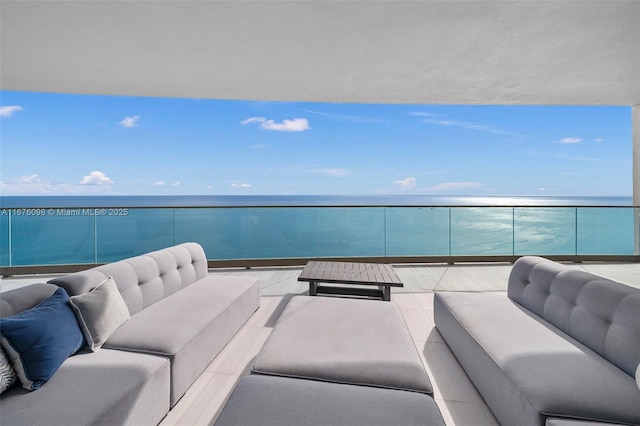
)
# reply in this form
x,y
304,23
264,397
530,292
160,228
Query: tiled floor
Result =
x,y
458,400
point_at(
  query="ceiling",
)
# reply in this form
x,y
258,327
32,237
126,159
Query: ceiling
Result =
x,y
574,52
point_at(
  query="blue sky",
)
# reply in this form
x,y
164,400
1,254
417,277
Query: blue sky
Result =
x,y
54,144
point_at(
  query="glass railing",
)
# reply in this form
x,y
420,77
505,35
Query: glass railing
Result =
x,y
63,236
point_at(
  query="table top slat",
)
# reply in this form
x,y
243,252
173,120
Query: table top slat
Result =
x,y
350,273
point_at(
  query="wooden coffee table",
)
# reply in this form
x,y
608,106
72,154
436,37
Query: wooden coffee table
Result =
x,y
370,274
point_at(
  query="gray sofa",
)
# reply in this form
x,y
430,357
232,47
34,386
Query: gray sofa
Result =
x,y
562,346
180,319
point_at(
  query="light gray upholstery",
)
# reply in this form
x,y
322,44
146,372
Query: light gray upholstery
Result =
x,y
181,318
99,388
105,387
346,341
565,422
14,301
523,356
177,310
527,370
601,313
146,279
191,327
280,401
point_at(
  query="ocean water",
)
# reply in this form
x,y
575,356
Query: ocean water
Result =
x,y
88,230
302,200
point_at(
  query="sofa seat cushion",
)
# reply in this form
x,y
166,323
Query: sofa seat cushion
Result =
x,y
352,341
191,326
281,401
566,422
105,387
528,370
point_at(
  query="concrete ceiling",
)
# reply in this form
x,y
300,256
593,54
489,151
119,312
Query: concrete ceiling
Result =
x,y
430,52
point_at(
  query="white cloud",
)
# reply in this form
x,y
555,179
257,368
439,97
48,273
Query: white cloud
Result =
x,y
35,185
8,111
293,125
598,140
546,189
27,180
570,140
407,183
96,178
240,185
431,119
454,186
253,120
128,122
332,172
163,183
424,114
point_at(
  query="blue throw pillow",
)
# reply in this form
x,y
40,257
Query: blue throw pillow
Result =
x,y
40,339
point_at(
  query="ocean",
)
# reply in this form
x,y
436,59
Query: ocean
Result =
x,y
301,200
51,230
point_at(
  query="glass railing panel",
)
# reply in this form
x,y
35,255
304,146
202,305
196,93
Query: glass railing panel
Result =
x,y
544,230
5,247
222,232
605,230
286,232
123,233
481,231
417,231
351,231
57,236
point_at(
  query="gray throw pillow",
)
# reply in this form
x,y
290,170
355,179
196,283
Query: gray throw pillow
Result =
x,y
100,312
7,373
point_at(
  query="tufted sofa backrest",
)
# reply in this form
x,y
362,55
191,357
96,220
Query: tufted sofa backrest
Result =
x,y
146,279
600,313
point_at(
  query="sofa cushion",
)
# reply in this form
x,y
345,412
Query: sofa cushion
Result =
x,y
567,422
95,388
352,341
40,339
191,327
527,369
100,312
600,313
281,401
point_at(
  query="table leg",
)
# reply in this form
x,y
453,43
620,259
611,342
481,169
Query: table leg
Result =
x,y
386,293
313,288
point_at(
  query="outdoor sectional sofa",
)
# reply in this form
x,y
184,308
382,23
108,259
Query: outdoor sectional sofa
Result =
x,y
180,319
561,347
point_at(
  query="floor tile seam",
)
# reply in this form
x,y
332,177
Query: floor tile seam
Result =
x,y
446,270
